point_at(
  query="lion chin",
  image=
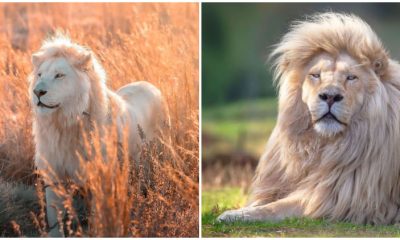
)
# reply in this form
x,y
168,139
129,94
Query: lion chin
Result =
x,y
328,127
69,96
335,150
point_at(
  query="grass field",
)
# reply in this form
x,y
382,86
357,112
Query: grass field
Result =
x,y
215,201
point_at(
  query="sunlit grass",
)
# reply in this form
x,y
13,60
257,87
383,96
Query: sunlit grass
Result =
x,y
156,42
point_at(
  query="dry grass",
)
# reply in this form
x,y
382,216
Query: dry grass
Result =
x,y
133,41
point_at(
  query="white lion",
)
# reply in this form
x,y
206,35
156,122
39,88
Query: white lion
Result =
x,y
335,150
68,84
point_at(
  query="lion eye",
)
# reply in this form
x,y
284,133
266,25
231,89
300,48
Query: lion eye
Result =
x,y
39,74
59,75
351,77
315,75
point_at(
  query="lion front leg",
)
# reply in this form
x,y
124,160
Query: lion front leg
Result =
x,y
53,204
275,211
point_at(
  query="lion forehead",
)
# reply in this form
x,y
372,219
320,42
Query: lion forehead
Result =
x,y
55,64
346,62
323,61
343,63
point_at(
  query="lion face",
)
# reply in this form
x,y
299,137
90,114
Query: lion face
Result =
x,y
334,90
57,85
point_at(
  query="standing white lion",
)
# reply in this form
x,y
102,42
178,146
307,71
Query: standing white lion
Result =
x,y
68,89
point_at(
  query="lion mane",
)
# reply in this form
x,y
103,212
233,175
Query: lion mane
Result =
x,y
356,177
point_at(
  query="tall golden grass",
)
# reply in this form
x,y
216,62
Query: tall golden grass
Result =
x,y
156,42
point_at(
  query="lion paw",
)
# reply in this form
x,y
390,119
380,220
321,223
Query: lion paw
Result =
x,y
233,216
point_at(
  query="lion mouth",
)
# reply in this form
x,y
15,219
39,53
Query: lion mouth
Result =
x,y
330,117
40,104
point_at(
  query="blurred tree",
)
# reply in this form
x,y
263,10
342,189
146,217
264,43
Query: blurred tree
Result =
x,y
237,38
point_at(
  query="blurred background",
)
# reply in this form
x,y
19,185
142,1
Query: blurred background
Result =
x,y
238,97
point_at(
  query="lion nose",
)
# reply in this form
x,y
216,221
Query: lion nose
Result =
x,y
39,92
330,98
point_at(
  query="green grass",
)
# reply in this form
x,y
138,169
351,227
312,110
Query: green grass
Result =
x,y
245,124
215,201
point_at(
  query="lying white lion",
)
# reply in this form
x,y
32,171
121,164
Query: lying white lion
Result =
x,y
68,84
335,150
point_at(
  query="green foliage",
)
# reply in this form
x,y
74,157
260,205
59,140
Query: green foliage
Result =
x,y
238,37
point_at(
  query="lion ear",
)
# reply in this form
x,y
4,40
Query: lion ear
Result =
x,y
36,59
84,60
380,66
